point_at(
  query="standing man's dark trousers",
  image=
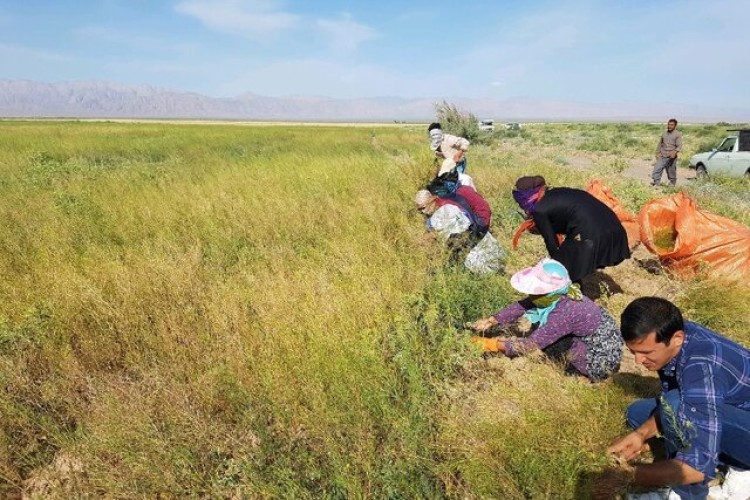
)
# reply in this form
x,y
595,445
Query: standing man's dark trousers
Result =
x,y
668,164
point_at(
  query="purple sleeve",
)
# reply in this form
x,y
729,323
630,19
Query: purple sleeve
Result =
x,y
509,314
559,324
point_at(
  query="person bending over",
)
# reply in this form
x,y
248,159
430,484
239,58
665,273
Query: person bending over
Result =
x,y
593,235
450,150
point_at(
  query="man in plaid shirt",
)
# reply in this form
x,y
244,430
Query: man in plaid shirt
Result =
x,y
703,412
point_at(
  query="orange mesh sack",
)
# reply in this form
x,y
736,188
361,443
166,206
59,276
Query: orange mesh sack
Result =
x,y
687,239
629,221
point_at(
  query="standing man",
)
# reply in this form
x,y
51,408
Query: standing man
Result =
x,y
703,412
449,149
670,145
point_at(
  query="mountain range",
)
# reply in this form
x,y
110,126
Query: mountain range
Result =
x,y
100,99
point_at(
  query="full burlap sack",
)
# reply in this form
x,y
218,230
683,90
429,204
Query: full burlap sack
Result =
x,y
688,240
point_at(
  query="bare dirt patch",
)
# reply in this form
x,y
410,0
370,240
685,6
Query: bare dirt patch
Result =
x,y
641,169
579,162
637,168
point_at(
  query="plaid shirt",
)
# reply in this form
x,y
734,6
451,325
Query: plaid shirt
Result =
x,y
710,370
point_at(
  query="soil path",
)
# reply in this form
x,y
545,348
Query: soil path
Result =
x,y
641,169
638,168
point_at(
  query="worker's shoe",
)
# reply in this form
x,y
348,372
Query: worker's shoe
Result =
x,y
736,485
660,494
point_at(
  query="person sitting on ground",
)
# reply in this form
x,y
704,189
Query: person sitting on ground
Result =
x,y
465,231
703,412
478,210
564,322
449,149
594,236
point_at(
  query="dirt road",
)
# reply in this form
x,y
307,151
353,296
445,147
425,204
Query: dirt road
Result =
x,y
641,169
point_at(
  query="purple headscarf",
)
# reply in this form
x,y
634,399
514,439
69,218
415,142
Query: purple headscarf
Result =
x,y
528,192
528,198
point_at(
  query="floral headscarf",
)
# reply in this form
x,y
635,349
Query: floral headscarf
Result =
x,y
545,304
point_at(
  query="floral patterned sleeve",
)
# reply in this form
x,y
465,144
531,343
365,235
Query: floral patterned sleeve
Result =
x,y
558,325
509,314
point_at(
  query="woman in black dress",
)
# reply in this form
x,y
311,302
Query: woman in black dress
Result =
x,y
594,236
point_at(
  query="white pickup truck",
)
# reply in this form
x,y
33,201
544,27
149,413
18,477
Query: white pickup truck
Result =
x,y
732,157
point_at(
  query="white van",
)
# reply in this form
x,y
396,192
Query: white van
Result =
x,y
488,125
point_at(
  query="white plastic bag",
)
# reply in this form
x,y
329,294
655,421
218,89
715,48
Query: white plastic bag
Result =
x,y
487,256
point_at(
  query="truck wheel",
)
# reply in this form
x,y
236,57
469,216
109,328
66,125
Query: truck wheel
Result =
x,y
700,171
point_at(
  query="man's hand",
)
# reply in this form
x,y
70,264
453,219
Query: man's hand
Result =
x,y
457,157
482,325
627,447
612,482
673,155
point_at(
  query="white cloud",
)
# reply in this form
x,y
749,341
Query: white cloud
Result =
x,y
253,19
626,52
345,34
523,50
338,79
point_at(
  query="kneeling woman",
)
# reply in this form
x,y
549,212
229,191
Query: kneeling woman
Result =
x,y
562,319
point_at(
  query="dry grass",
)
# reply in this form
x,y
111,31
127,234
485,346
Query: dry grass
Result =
x,y
250,311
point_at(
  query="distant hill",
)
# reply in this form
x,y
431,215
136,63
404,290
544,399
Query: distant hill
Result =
x,y
97,99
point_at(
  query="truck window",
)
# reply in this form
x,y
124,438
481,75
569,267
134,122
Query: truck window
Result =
x,y
727,145
744,140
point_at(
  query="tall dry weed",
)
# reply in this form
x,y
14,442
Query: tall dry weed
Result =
x,y
252,311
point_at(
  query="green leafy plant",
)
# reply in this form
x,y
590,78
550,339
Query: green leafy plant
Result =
x,y
460,123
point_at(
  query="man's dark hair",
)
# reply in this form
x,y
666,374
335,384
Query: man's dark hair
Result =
x,y
650,314
672,120
433,126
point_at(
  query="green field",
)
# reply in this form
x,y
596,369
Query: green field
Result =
x,y
253,312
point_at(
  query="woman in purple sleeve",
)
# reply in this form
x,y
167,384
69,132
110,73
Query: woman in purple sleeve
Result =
x,y
562,320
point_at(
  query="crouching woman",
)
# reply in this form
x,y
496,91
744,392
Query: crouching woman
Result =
x,y
564,323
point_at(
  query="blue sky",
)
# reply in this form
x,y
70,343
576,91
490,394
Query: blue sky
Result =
x,y
692,52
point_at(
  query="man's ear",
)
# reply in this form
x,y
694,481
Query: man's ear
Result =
x,y
678,338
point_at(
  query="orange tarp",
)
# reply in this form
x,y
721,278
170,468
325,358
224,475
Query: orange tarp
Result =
x,y
688,240
629,221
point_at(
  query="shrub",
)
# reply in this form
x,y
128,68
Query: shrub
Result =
x,y
457,122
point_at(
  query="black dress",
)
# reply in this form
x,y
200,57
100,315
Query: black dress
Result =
x,y
594,237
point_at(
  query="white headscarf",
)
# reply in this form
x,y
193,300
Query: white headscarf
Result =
x,y
423,197
436,138
465,180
